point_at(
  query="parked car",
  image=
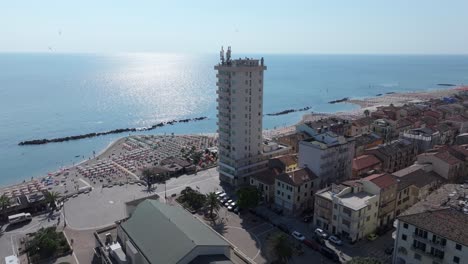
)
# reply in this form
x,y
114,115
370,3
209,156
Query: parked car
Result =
x,y
298,236
312,244
228,202
231,206
389,250
308,218
319,232
335,240
372,237
218,193
329,253
224,200
222,195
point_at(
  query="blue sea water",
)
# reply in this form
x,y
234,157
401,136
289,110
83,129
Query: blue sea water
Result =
x,y
56,95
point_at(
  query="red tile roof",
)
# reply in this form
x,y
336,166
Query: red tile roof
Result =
x,y
364,161
383,180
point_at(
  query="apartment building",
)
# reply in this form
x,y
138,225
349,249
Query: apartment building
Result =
x,y
432,237
414,184
365,164
386,186
348,210
395,155
240,112
294,190
328,155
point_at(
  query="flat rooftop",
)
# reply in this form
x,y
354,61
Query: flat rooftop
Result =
x,y
356,201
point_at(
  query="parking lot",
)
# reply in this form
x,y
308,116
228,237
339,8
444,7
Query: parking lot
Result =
x,y
253,235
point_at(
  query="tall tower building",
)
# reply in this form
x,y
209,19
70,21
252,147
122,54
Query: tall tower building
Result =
x,y
240,111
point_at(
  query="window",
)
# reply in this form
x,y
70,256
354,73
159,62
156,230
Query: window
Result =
x,y
345,222
251,181
417,256
369,207
456,259
347,211
458,247
278,192
278,184
437,253
368,219
306,185
420,233
404,237
419,245
405,226
334,217
298,197
335,206
289,197
266,188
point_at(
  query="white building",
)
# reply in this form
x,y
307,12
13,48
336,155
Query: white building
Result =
x,y
432,237
240,111
328,155
350,211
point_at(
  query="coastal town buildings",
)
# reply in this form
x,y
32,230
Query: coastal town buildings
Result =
x,y
361,126
292,140
434,229
386,186
444,163
240,112
364,165
414,184
424,138
294,190
186,239
430,237
395,155
365,141
264,181
349,210
328,155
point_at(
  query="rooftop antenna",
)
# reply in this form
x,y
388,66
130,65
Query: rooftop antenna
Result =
x,y
228,55
221,55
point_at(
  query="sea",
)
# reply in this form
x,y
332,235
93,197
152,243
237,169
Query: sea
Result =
x,y
48,95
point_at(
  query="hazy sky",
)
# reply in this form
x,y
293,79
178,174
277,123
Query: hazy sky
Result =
x,y
254,26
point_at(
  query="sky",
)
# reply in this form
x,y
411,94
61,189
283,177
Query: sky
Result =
x,y
175,26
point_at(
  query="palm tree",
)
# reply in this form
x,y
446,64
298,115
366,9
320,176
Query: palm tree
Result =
x,y
4,203
147,174
367,112
282,249
51,198
212,203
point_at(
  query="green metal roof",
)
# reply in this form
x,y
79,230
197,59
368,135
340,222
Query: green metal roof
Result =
x,y
165,234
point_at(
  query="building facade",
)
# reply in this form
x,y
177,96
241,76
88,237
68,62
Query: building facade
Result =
x,y
294,190
329,156
240,111
350,211
432,237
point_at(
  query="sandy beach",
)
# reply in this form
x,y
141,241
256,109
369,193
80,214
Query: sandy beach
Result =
x,y
126,155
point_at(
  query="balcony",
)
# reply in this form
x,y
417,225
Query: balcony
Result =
x,y
437,244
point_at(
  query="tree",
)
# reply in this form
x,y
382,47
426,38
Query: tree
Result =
x,y
364,260
51,198
212,203
4,203
147,174
248,197
282,248
367,112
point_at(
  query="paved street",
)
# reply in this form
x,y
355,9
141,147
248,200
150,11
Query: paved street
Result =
x,y
9,239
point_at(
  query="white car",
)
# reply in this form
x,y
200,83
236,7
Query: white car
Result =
x,y
232,206
320,233
228,203
335,240
218,193
298,236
